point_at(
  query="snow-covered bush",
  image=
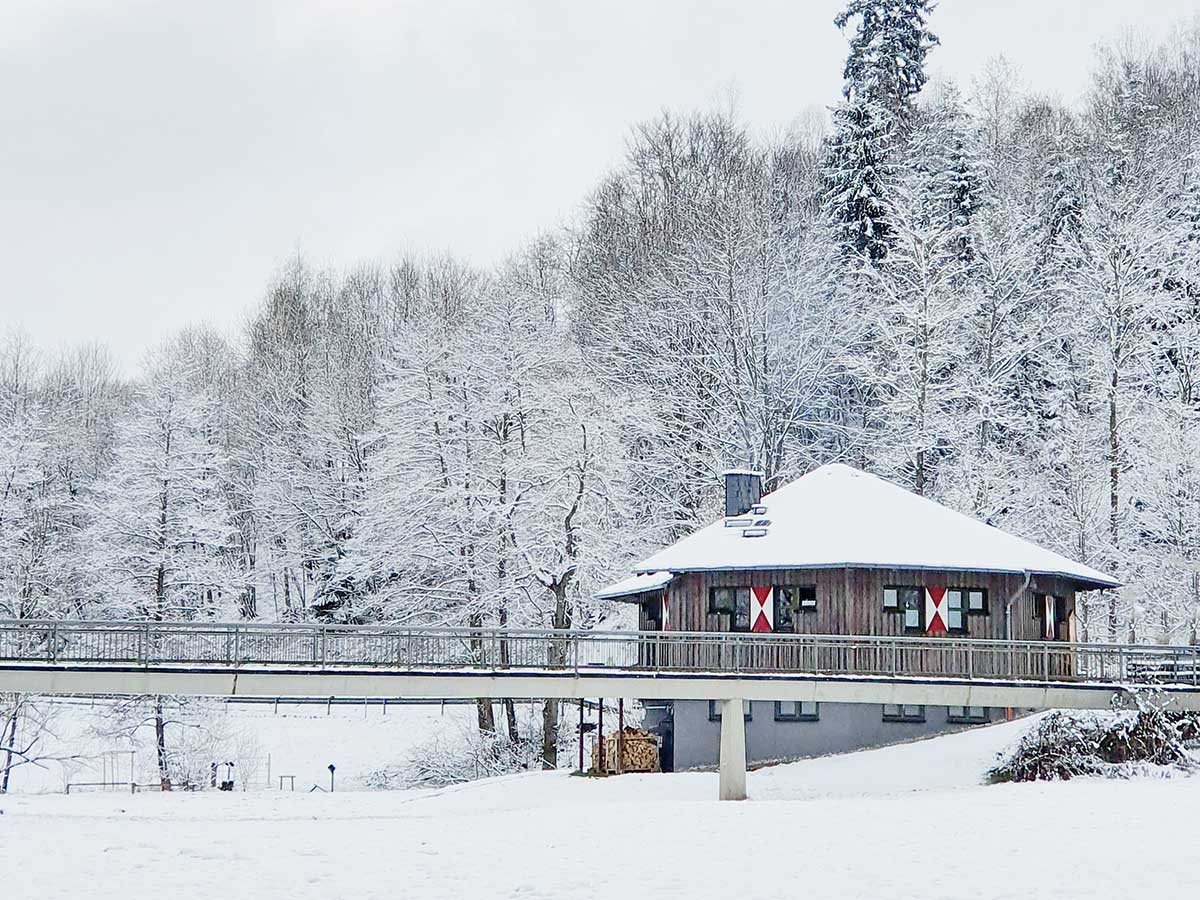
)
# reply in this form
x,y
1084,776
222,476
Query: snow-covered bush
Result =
x,y
457,757
1118,744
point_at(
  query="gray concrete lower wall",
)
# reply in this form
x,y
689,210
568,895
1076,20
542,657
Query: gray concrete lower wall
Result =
x,y
841,727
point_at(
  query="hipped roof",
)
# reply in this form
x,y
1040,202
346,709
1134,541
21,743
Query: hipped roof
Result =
x,y
839,517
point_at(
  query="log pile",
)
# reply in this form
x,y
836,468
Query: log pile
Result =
x,y
640,751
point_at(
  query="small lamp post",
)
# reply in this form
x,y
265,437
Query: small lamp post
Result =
x,y
331,770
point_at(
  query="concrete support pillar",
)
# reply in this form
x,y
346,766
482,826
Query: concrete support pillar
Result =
x,y
733,751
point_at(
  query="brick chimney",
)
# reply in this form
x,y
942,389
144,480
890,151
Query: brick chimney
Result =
x,y
743,489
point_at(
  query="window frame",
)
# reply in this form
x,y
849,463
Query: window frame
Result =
x,y
733,590
983,610
1062,613
964,601
799,715
903,715
900,609
966,717
714,711
806,601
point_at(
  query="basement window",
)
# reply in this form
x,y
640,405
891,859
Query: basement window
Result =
x,y
797,711
714,710
966,715
903,712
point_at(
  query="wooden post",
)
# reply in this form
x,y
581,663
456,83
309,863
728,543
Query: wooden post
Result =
x,y
580,735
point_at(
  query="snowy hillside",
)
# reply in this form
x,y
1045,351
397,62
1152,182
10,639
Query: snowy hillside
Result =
x,y
903,821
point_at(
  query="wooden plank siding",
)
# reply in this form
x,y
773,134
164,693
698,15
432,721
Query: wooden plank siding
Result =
x,y
850,601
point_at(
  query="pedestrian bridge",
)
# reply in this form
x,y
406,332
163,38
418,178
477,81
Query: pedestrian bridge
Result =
x,y
306,660
60,657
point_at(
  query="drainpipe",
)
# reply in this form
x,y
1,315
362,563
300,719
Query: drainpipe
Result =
x,y
1013,599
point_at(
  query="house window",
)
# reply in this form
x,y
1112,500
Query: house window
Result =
x,y
903,712
714,710
733,602
790,601
797,711
977,601
1051,611
956,612
906,601
972,715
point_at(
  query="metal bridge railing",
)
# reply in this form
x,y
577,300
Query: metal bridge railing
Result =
x,y
246,644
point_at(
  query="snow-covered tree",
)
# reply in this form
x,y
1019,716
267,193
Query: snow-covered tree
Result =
x,y
918,329
886,64
885,70
161,529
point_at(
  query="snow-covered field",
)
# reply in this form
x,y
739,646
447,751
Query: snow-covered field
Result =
x,y
909,821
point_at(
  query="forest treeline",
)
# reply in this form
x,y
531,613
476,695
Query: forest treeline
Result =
x,y
977,291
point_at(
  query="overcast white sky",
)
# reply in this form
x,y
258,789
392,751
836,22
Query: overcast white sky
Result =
x,y
160,161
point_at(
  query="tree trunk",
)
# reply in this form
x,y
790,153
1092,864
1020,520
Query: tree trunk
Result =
x,y
550,734
160,743
8,736
510,717
1114,497
558,658
510,710
487,718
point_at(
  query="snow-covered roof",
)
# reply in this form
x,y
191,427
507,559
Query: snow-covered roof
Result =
x,y
636,584
836,517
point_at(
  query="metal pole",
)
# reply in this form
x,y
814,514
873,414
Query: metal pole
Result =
x,y
620,735
600,738
581,735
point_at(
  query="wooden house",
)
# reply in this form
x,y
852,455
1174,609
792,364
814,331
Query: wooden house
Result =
x,y
840,551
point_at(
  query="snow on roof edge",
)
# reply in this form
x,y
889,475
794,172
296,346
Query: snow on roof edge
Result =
x,y
637,583
1105,583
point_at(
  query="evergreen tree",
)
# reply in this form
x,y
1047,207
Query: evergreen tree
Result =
x,y
948,171
858,175
884,71
886,64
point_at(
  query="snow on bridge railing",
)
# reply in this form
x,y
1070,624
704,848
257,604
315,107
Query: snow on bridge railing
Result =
x,y
315,646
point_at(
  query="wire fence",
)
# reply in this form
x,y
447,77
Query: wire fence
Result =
x,y
313,646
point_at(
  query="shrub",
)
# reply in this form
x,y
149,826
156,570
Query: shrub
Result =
x,y
455,758
1119,744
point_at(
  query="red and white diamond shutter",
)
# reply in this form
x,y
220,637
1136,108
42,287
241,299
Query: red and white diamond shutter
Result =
x,y
1051,626
762,609
666,610
935,610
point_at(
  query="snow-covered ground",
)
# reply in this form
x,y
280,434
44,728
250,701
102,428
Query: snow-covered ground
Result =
x,y
909,821
266,741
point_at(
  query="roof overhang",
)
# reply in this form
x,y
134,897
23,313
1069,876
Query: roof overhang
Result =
x,y
641,583
1087,584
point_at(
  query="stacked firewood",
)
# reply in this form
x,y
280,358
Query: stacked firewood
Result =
x,y
632,750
